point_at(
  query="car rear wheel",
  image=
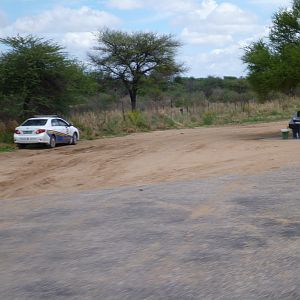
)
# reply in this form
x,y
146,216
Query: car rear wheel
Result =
x,y
52,142
74,139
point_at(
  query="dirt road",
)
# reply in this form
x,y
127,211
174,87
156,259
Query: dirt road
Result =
x,y
227,227
144,158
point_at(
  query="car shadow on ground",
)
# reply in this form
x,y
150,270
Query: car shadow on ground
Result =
x,y
41,147
261,136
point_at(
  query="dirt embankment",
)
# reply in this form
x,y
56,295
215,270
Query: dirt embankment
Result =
x,y
147,158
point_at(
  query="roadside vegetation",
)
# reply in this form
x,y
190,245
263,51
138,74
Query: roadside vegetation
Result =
x,y
95,124
273,62
135,84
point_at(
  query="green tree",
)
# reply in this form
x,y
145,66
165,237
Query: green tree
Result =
x,y
210,83
130,57
260,63
37,77
286,27
274,64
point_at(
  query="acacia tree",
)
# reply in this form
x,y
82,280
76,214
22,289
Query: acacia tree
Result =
x,y
37,77
130,57
274,64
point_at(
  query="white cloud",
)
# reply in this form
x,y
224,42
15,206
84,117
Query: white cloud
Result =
x,y
125,4
219,24
203,22
71,28
178,6
203,38
217,62
78,42
165,5
62,19
221,61
215,34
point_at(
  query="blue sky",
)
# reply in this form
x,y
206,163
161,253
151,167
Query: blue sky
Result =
x,y
213,32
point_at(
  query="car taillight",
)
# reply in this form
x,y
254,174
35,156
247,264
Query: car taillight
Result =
x,y
40,131
17,131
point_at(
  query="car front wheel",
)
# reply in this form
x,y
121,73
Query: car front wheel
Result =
x,y
74,139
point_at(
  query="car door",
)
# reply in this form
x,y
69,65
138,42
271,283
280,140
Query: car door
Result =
x,y
65,130
58,130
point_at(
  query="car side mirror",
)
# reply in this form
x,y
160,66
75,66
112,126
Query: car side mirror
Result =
x,y
70,124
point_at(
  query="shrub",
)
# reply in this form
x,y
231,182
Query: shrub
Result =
x,y
7,131
208,118
138,120
169,122
112,126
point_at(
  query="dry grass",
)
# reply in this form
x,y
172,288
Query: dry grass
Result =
x,y
108,123
96,124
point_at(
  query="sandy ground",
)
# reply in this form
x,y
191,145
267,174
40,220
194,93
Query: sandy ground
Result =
x,y
144,158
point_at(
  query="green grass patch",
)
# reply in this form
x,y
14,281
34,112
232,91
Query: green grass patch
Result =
x,y
209,118
7,148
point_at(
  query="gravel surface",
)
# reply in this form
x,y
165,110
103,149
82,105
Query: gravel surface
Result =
x,y
229,237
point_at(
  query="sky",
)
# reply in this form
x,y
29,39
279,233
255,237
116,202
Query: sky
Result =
x,y
213,32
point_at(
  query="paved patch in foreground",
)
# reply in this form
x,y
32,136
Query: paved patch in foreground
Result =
x,y
221,238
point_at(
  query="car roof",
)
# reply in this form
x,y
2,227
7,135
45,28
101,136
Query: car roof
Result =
x,y
45,117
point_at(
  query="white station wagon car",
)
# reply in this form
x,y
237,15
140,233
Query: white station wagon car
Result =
x,y
48,130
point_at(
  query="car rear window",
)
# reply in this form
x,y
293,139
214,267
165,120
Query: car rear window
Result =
x,y
35,122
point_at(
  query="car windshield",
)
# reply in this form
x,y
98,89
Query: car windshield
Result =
x,y
35,122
